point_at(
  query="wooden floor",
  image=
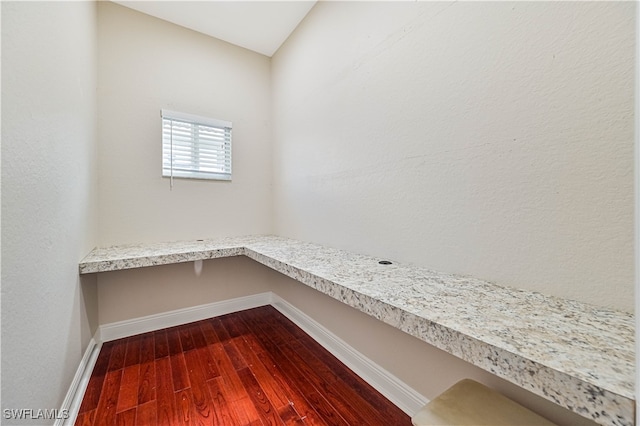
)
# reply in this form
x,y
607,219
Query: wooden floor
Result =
x,y
253,367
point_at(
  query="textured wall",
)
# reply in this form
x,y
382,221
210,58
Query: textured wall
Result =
x,y
49,197
135,293
489,139
146,64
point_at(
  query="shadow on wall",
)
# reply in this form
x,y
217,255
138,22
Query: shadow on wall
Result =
x,y
88,286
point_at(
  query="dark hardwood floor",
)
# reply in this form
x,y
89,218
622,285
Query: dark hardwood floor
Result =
x,y
253,367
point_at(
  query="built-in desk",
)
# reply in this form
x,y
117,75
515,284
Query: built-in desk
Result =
x,y
576,355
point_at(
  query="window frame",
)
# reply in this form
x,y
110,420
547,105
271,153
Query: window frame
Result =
x,y
190,148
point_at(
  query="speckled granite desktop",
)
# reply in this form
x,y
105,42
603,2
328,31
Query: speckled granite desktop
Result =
x,y
576,355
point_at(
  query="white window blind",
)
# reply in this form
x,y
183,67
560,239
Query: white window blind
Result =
x,y
195,147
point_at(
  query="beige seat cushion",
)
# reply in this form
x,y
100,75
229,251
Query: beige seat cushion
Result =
x,y
471,403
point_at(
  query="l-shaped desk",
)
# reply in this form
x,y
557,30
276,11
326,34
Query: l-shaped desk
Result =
x,y
579,356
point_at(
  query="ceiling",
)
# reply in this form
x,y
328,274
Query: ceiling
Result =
x,y
261,26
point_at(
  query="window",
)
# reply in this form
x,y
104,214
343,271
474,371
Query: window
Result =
x,y
195,147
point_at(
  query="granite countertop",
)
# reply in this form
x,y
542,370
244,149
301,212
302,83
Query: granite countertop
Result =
x,y
574,354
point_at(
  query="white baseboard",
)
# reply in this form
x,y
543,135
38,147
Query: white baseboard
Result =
x,y
404,397
396,391
73,399
120,329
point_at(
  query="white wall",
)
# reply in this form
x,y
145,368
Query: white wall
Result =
x,y
49,200
637,210
146,64
493,139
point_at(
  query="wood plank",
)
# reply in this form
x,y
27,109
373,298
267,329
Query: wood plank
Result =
x,y
128,394
173,340
197,336
133,351
146,414
147,384
221,331
201,399
222,413
253,343
185,407
147,348
235,327
126,418
102,362
233,385
242,407
209,365
186,339
179,372
279,324
289,325
161,346
289,416
106,411
234,354
267,327
272,389
326,411
167,412
260,401
116,361
86,418
209,332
